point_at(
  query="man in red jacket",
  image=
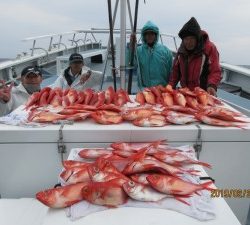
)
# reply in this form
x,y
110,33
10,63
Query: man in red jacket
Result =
x,y
197,61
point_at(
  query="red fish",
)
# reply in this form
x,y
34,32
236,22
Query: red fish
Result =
x,y
65,101
110,107
130,146
142,192
109,95
56,101
140,178
223,114
217,122
177,159
120,98
100,99
169,88
187,92
72,96
94,153
192,102
132,114
167,99
94,99
179,98
80,97
152,164
182,109
179,118
45,117
103,118
149,96
152,121
109,194
69,164
80,175
61,197
33,99
140,98
88,95
201,95
176,186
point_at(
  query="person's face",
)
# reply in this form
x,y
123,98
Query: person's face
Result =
x,y
150,37
76,67
190,42
31,78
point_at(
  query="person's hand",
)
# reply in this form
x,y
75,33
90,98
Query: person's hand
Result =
x,y
5,91
211,91
84,77
133,38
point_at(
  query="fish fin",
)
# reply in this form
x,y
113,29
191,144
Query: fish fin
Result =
x,y
207,184
193,172
205,164
196,192
178,198
140,155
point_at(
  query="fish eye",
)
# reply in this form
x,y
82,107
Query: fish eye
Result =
x,y
85,189
131,183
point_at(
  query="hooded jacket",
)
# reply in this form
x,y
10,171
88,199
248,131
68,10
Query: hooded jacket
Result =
x,y
155,63
199,68
19,96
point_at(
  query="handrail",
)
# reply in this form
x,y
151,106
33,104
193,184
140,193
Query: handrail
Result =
x,y
46,36
237,69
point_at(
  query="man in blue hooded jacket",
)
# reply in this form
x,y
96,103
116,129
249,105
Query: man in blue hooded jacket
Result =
x,y
155,59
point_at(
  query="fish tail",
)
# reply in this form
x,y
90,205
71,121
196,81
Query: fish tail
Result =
x,y
207,184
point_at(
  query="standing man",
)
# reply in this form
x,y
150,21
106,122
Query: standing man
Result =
x,y
197,61
12,97
75,76
154,59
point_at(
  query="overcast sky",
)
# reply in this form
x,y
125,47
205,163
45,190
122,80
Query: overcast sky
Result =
x,y
226,21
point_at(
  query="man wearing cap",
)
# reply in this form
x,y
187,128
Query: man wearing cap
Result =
x,y
154,59
75,76
12,97
197,61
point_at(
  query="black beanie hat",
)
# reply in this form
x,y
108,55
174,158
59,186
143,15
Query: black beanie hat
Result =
x,y
191,28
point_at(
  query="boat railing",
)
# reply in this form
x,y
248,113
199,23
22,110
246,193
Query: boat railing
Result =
x,y
42,53
236,75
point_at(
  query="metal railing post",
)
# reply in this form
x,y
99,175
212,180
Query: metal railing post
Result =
x,y
33,47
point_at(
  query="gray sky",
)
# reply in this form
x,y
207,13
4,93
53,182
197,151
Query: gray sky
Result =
x,y
226,21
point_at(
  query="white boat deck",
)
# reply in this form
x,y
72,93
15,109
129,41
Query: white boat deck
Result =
x,y
28,211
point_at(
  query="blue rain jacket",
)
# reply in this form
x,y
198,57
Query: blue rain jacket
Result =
x,y
155,63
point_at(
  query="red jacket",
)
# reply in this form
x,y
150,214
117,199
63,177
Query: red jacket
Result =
x,y
200,68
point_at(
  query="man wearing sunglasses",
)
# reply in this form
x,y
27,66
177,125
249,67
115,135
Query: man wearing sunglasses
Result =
x,y
75,76
12,97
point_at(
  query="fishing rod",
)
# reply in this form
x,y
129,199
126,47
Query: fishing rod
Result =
x,y
112,43
132,52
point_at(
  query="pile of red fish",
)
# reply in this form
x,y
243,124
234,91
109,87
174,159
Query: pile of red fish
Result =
x,y
159,106
51,105
146,172
184,106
